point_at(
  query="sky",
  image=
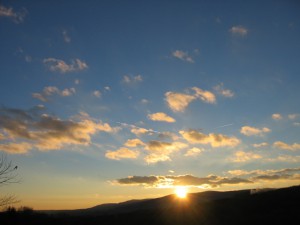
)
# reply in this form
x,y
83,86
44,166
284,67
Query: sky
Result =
x,y
107,101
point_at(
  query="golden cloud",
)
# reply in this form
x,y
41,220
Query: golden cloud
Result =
x,y
253,131
160,116
134,143
285,146
178,102
122,153
241,156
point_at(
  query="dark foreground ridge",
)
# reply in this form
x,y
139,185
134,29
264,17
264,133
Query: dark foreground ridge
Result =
x,y
278,206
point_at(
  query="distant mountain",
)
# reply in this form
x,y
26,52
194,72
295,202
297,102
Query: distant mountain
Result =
x,y
268,206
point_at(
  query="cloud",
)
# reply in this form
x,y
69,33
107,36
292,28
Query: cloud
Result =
x,y
276,116
139,131
194,151
240,177
178,102
238,31
57,65
17,17
161,151
168,135
122,153
66,36
134,143
205,96
285,146
171,181
97,93
222,91
296,124
184,56
261,145
127,79
32,129
241,156
52,90
215,140
293,116
253,131
160,116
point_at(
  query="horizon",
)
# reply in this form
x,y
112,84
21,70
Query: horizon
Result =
x,y
104,102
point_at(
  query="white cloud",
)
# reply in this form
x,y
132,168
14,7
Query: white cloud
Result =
x,y
160,116
17,17
261,145
205,96
66,36
285,146
238,30
241,156
222,91
184,56
57,65
127,79
107,88
253,131
194,151
122,153
52,90
293,116
178,102
215,140
97,93
276,116
296,124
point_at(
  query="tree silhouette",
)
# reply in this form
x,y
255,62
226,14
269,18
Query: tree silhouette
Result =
x,y
7,176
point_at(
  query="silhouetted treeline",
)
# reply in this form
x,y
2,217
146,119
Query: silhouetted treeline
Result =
x,y
280,206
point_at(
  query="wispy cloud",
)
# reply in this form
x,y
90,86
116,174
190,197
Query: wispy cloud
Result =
x,y
285,146
253,131
194,151
215,140
261,145
293,116
130,80
205,96
241,156
17,17
52,90
57,65
221,90
184,56
122,153
239,31
66,36
161,116
35,130
97,93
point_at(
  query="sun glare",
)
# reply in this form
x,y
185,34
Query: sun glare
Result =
x,y
181,192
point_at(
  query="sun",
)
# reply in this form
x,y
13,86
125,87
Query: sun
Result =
x,y
181,192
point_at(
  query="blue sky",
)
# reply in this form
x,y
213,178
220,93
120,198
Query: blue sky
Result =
x,y
113,100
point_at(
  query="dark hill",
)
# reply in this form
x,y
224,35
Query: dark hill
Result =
x,y
280,206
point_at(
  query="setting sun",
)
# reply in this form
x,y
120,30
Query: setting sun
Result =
x,y
181,192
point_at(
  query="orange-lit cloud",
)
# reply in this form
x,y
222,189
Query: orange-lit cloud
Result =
x,y
205,96
285,146
160,116
122,153
276,116
241,156
44,132
215,140
253,131
194,151
178,102
57,65
17,17
134,143
261,145
52,90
